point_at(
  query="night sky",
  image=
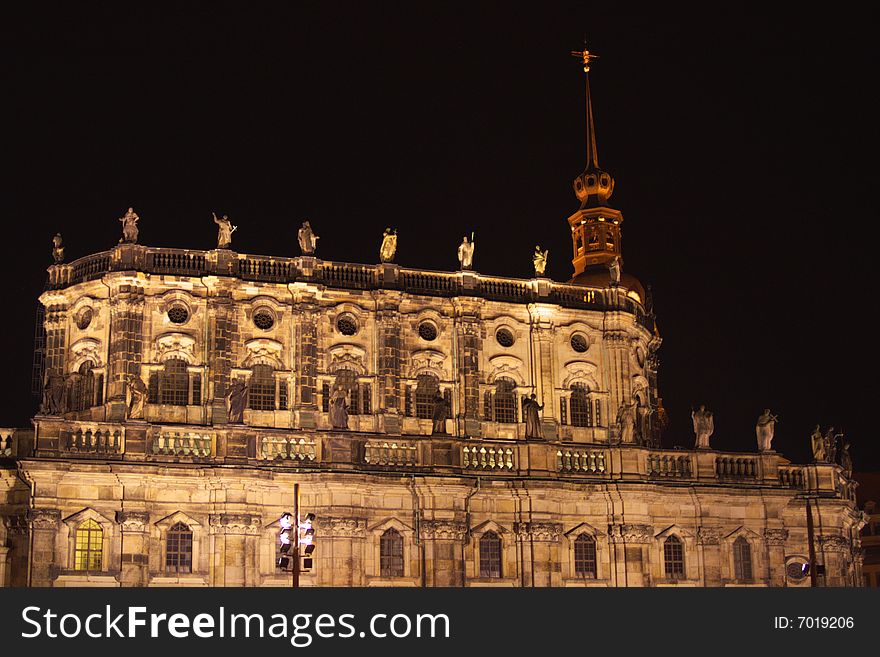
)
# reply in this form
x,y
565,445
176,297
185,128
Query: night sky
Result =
x,y
743,145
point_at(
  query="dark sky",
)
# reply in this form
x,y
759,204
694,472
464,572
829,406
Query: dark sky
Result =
x,y
743,145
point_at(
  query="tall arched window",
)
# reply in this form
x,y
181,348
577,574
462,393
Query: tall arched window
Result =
x,y
742,559
490,555
505,400
391,554
585,556
581,406
673,557
89,546
426,387
82,388
261,395
179,549
174,383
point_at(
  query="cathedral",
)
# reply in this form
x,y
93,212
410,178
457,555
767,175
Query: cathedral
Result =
x,y
446,429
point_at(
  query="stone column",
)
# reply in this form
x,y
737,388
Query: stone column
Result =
x,y
442,540
222,348
135,549
235,548
775,539
542,333
45,524
630,543
340,551
541,561
709,545
836,551
618,375
468,327
125,352
389,350
306,329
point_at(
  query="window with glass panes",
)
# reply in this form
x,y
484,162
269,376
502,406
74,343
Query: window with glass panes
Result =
x,y
673,557
174,383
89,546
580,406
505,400
261,394
179,549
742,559
585,556
391,554
426,387
490,555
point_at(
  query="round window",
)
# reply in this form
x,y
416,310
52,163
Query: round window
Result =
x,y
83,318
795,570
504,337
178,314
263,319
579,342
346,325
427,331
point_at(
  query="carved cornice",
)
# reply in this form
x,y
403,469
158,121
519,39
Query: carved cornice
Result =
x,y
775,537
709,536
616,338
235,523
444,529
631,533
44,518
834,543
539,531
133,521
342,527
16,524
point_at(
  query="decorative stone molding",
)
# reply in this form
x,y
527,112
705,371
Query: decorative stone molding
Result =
x,y
775,537
444,529
630,533
235,523
263,351
133,521
709,535
834,543
175,345
580,371
615,338
506,365
347,357
427,361
44,518
342,527
539,531
16,524
85,349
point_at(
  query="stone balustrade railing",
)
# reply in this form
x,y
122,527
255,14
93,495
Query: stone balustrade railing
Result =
x,y
739,467
390,453
488,457
182,443
583,461
791,477
288,448
270,269
670,465
95,440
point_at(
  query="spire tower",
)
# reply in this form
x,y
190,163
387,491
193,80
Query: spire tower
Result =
x,y
595,227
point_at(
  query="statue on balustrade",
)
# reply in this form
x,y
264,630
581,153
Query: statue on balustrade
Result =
x,y
831,445
389,245
817,440
764,428
539,260
57,249
224,232
466,252
129,227
531,407
236,400
308,241
704,426
626,422
54,393
845,458
614,271
338,408
138,390
441,414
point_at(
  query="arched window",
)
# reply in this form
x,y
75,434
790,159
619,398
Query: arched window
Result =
x,y
742,559
581,406
673,557
585,556
391,554
261,395
505,400
174,383
426,387
82,388
89,546
490,555
179,549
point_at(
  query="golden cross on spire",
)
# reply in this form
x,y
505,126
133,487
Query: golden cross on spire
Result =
x,y
586,56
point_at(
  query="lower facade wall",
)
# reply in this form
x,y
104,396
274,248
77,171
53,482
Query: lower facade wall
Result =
x,y
232,514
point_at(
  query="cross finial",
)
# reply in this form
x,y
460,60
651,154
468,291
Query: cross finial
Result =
x,y
585,55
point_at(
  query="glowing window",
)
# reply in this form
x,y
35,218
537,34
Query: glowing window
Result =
x,y
89,546
585,556
391,554
178,554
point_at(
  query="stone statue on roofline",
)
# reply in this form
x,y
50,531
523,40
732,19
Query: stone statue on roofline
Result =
x,y
764,428
440,414
389,245
57,249
138,390
626,421
466,252
704,426
129,227
224,232
817,442
338,408
614,271
308,241
539,260
236,400
531,407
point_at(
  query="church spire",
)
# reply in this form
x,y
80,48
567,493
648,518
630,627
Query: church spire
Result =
x,y
595,227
